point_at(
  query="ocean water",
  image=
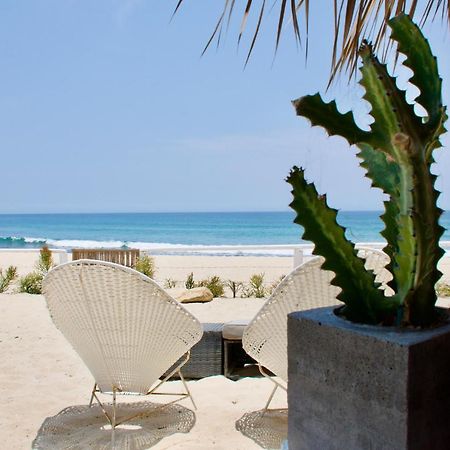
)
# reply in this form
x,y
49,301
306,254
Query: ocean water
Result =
x,y
174,230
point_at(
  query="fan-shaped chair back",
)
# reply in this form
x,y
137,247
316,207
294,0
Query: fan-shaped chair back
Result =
x,y
306,287
126,328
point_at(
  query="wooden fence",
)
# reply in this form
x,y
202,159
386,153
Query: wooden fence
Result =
x,y
125,257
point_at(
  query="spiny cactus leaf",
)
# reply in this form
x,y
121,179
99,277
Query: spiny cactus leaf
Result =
x,y
327,116
392,113
421,61
421,300
404,261
385,175
434,141
364,302
390,233
384,172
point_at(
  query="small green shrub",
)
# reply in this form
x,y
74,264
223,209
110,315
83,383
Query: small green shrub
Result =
x,y
7,278
146,265
214,284
255,288
234,286
45,262
169,283
190,283
275,283
31,283
443,290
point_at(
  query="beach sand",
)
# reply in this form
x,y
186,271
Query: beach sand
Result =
x,y
236,268
177,268
40,374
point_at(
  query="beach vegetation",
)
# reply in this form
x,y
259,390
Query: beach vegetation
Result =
x,y
7,277
146,265
45,261
275,284
170,283
234,286
31,283
214,284
190,283
397,154
255,287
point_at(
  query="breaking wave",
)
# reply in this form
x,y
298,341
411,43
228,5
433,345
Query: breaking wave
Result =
x,y
14,242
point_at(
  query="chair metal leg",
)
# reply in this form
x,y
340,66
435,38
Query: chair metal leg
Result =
x,y
93,394
113,422
277,385
112,418
270,398
187,389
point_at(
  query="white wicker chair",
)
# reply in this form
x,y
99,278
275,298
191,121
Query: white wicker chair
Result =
x,y
126,328
306,287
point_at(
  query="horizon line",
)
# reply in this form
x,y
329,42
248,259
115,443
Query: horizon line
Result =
x,y
169,212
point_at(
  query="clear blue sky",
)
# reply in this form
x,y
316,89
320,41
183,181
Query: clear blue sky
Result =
x,y
105,106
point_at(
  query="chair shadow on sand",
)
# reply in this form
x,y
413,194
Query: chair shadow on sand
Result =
x,y
81,427
267,427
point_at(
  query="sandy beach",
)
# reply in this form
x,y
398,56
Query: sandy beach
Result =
x,y
237,268
41,375
177,268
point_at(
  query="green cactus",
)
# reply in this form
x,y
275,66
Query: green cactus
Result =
x,y
396,154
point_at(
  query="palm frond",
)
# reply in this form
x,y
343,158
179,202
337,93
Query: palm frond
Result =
x,y
354,21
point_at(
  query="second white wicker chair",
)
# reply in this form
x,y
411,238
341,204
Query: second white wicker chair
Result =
x,y
126,329
306,287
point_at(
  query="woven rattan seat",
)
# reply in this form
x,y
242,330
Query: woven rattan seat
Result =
x,y
125,327
207,355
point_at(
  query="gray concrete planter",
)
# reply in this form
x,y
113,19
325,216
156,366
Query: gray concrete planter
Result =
x,y
359,387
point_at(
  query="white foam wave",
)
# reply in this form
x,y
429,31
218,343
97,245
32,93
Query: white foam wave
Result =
x,y
219,250
183,249
75,243
179,249
31,240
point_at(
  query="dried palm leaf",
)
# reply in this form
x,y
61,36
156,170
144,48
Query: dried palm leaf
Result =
x,y
354,20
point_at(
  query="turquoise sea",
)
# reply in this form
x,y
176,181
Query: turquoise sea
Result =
x,y
153,230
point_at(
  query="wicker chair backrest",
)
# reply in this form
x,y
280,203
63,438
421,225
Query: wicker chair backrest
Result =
x,y
126,328
306,287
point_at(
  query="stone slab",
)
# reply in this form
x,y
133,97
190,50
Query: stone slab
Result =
x,y
195,295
